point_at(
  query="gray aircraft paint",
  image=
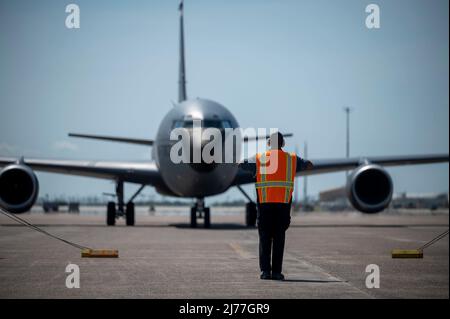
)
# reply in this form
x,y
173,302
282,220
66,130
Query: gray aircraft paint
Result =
x,y
182,178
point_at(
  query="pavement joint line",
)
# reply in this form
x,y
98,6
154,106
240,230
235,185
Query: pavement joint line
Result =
x,y
331,278
404,240
321,270
240,251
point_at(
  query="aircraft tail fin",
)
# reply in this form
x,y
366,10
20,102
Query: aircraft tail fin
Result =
x,y
182,96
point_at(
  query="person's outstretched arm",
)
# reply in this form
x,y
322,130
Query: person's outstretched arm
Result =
x,y
304,164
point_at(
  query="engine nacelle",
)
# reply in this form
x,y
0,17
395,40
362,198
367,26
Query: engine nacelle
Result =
x,y
370,188
19,188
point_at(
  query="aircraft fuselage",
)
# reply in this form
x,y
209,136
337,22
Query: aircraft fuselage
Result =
x,y
193,179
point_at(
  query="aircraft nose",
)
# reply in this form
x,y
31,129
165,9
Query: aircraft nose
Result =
x,y
202,166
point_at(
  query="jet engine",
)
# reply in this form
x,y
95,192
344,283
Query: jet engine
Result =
x,y
19,188
370,188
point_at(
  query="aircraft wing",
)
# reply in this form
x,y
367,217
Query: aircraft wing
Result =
x,y
263,137
246,176
138,141
134,172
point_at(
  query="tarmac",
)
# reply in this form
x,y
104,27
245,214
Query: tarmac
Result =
x,y
326,256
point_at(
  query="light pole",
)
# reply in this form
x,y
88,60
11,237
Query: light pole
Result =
x,y
297,201
305,180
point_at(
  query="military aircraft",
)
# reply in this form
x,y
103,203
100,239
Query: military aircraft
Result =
x,y
369,185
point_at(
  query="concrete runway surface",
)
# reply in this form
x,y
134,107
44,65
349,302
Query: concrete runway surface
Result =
x,y
326,256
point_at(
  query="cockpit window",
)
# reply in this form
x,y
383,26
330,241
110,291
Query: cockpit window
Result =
x,y
183,124
177,124
212,123
226,124
220,124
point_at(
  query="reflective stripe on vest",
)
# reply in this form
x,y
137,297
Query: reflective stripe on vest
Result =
x,y
287,191
275,186
263,179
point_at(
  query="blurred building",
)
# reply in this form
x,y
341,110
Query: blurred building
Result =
x,y
334,199
423,201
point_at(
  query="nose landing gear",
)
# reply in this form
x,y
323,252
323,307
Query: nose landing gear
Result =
x,y
250,209
250,214
198,210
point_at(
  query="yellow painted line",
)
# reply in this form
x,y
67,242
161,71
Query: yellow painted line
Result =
x,y
241,252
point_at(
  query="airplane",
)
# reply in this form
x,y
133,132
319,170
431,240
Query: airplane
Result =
x,y
369,185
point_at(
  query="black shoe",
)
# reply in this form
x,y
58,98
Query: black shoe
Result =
x,y
265,275
277,276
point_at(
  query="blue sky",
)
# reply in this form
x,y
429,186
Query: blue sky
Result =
x,y
286,64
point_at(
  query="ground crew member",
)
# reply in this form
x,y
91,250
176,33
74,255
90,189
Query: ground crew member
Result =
x,y
275,171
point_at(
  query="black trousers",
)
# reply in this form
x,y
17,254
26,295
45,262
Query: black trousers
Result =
x,y
273,221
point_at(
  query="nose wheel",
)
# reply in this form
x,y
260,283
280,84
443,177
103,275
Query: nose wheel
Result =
x,y
198,210
251,212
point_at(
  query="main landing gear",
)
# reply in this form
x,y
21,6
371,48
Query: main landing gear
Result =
x,y
250,214
198,210
120,209
250,209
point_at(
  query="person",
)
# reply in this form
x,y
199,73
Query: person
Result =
x,y
275,170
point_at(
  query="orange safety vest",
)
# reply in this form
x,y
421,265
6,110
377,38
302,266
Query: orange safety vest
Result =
x,y
275,172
